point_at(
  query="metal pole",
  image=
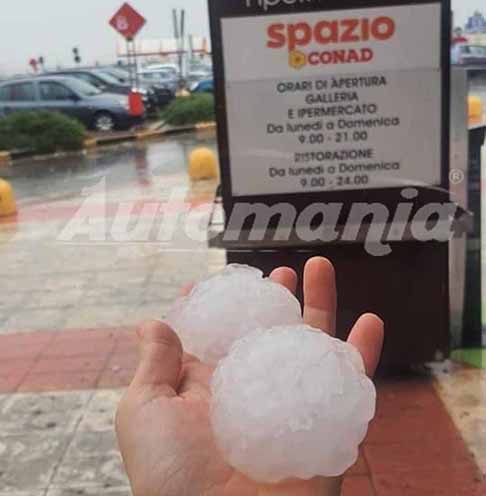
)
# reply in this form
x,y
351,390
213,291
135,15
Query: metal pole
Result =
x,y
135,61
176,25
191,46
182,43
176,36
129,60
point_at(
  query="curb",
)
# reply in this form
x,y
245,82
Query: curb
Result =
x,y
7,158
147,134
202,126
150,134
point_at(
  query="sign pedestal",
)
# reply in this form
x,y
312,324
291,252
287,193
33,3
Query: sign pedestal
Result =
x,y
415,309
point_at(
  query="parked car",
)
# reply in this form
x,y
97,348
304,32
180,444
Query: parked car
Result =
x,y
118,73
196,77
206,86
200,66
164,91
468,55
161,76
75,98
109,84
170,68
195,73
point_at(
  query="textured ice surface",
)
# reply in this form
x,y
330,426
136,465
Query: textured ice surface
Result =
x,y
226,307
291,402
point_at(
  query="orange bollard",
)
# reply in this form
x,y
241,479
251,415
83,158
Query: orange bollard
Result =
x,y
135,103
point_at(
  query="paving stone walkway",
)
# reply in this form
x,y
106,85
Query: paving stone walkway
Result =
x,y
60,444
60,392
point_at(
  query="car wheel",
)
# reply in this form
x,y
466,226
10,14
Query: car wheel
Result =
x,y
104,122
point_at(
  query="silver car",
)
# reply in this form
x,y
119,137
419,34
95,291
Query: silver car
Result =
x,y
160,76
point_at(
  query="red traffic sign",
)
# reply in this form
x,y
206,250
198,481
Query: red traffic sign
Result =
x,y
127,21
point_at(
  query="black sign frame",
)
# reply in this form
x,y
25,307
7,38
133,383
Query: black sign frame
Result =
x,y
389,197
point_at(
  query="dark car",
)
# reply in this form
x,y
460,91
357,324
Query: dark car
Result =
x,y
206,86
70,96
164,92
109,84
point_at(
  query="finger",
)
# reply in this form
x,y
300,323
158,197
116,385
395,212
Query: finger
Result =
x,y
320,298
195,379
367,336
286,277
160,358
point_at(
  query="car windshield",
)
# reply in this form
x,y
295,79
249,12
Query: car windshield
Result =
x,y
105,77
118,74
172,71
477,51
83,88
157,75
472,50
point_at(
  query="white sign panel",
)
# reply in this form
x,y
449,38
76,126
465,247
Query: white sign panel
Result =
x,y
335,100
362,40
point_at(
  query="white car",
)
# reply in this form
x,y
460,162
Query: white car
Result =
x,y
170,68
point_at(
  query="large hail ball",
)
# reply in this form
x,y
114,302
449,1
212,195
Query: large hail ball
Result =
x,y
291,402
226,307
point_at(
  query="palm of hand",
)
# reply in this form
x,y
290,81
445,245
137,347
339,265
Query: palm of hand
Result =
x,y
180,456
163,421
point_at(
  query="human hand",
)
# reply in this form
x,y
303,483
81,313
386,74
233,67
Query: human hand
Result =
x,y
162,422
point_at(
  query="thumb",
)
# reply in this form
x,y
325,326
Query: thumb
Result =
x,y
160,358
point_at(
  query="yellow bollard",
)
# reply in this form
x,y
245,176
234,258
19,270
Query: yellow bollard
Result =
x,y
475,105
8,205
203,164
90,143
183,94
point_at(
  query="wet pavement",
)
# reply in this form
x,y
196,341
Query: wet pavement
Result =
x,y
129,165
86,249
104,241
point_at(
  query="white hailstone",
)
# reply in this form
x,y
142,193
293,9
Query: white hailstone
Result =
x,y
227,306
291,402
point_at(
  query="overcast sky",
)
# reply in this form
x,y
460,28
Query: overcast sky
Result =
x,y
29,28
